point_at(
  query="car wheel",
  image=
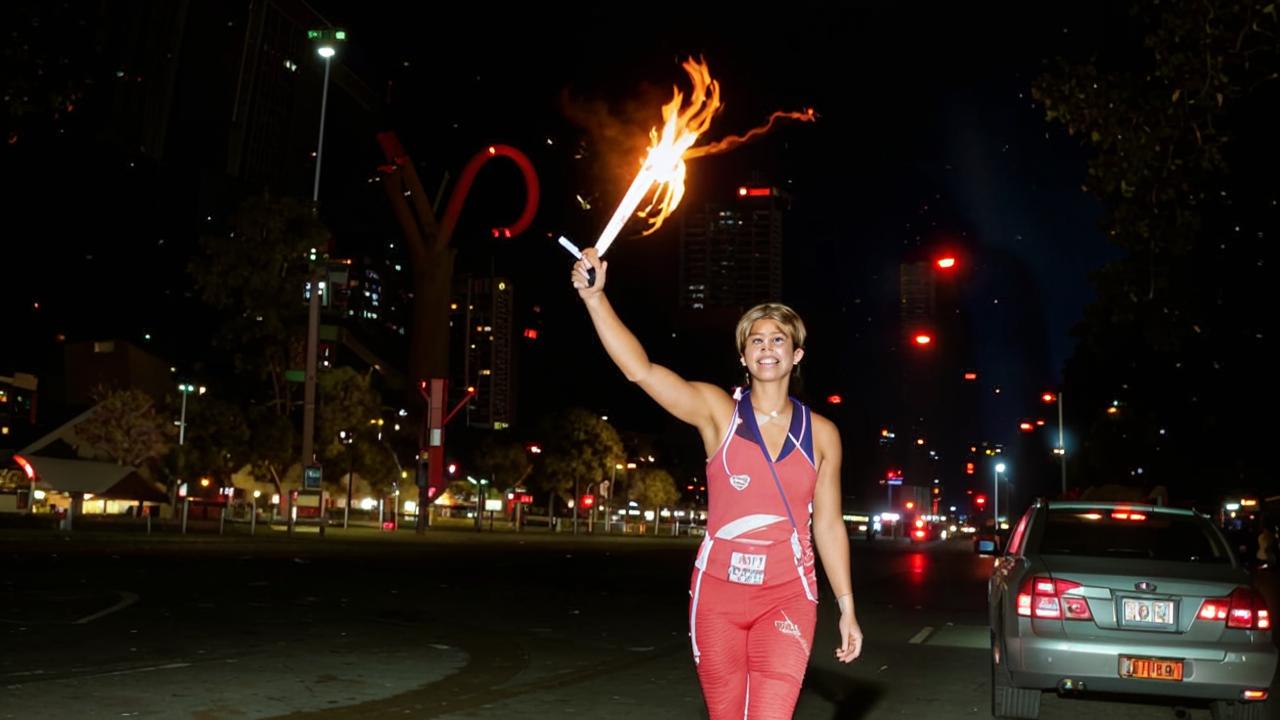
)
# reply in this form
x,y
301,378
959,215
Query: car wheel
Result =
x,y
1228,710
1008,701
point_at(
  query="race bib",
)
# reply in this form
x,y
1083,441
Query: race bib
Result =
x,y
746,569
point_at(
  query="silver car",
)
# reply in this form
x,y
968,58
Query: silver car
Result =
x,y
1123,598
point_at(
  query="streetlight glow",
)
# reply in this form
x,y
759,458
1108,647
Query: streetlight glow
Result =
x,y
325,51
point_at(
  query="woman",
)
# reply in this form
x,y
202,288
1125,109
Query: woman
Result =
x,y
773,473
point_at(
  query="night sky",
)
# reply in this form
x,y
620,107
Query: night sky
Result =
x,y
927,136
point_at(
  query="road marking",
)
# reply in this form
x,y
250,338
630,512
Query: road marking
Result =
x,y
126,599
168,666
921,636
976,637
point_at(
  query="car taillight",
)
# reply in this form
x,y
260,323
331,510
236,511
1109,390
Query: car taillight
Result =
x,y
1046,599
1244,609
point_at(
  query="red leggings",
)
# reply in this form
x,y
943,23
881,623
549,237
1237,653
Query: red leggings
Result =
x,y
751,645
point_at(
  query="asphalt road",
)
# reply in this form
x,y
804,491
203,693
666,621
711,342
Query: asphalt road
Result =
x,y
451,625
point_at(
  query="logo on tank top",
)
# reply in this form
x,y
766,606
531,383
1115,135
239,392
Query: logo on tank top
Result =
x,y
739,482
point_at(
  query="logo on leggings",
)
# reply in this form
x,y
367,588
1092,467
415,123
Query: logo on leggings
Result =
x,y
746,569
786,627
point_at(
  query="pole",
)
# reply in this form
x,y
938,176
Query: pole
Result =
x,y
351,470
1062,447
313,304
182,423
613,488
577,498
995,497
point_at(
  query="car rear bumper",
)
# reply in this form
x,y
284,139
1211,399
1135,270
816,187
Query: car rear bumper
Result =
x,y
1219,673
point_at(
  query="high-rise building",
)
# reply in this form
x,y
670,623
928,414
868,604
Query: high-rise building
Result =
x,y
731,251
481,324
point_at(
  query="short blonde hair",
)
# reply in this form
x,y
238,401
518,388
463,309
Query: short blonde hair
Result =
x,y
791,323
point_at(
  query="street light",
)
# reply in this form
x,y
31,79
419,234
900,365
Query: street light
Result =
x,y
1050,398
186,389
326,40
348,438
995,494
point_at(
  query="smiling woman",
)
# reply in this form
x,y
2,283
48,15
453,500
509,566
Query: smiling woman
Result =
x,y
771,459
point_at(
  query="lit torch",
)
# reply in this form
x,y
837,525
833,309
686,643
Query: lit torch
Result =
x,y
662,170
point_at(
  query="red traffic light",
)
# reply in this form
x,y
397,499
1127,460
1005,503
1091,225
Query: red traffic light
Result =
x,y
588,501
1025,426
946,262
968,468
911,505
971,376
923,338
1048,398
981,500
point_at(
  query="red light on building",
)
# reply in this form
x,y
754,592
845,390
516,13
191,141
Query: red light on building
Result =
x,y
745,191
946,262
971,376
834,399
1040,422
968,468
911,505
531,334
1025,426
1048,398
923,338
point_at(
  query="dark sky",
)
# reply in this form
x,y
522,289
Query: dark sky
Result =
x,y
927,135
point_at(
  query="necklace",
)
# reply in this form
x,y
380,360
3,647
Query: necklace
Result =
x,y
768,417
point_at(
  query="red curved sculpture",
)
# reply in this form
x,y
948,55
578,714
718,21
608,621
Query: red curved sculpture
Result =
x,y
459,194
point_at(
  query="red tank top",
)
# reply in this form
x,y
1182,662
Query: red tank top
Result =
x,y
750,538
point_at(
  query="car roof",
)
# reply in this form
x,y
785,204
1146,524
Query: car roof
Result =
x,y
1114,505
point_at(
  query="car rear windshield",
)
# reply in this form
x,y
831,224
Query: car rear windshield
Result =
x,y
1122,533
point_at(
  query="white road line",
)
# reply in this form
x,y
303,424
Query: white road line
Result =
x,y
168,666
921,636
126,599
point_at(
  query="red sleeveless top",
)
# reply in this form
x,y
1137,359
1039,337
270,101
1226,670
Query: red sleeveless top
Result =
x,y
751,538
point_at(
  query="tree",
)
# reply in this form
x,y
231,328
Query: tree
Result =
x,y
1180,126
348,403
654,488
503,461
255,275
216,441
581,449
126,428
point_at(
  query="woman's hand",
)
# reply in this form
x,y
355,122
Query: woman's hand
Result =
x,y
850,636
580,274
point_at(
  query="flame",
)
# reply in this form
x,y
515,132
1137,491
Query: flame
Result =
x,y
663,165
662,170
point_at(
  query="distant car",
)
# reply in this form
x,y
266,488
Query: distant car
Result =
x,y
1134,599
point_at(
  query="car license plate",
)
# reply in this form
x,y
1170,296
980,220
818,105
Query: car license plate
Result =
x,y
1150,668
1137,611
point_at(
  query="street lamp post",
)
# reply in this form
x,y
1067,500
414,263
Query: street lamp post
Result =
x,y
995,494
1061,450
186,389
348,438
327,40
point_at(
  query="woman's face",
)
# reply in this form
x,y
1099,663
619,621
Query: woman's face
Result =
x,y
769,353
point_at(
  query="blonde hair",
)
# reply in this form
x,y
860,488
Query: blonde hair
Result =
x,y
791,323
